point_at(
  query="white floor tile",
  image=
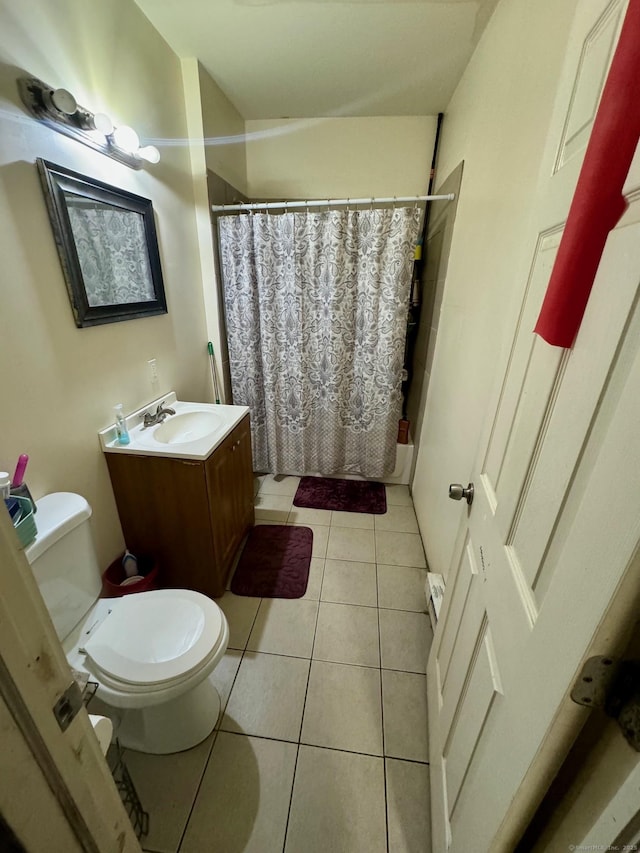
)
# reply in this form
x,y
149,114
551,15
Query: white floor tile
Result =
x,y
234,564
268,697
349,582
224,674
342,708
336,703
240,611
405,640
314,583
402,519
272,507
320,538
404,699
352,519
347,634
402,588
398,496
279,485
408,807
399,549
244,799
284,627
338,803
348,543
167,786
304,515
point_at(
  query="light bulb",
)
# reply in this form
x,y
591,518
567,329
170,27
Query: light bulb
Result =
x,y
126,138
149,153
103,124
63,101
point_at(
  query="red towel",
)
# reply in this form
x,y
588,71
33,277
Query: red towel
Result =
x,y
597,203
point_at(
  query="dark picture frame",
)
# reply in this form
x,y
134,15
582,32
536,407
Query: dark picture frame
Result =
x,y
108,248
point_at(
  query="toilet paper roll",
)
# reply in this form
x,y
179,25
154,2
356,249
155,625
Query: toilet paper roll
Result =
x,y
133,579
103,727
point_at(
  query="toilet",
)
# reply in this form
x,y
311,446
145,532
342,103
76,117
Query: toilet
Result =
x,y
150,653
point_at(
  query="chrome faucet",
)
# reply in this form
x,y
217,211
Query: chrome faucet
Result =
x,y
157,418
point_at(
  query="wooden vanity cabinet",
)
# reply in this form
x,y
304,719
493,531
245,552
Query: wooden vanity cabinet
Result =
x,y
190,515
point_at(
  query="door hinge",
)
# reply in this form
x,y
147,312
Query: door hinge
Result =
x,y
68,705
613,686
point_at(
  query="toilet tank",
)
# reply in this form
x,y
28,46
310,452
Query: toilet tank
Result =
x,y
63,559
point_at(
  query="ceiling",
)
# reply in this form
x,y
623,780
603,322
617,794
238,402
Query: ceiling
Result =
x,y
307,58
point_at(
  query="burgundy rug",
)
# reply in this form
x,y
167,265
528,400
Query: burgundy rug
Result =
x,y
341,495
274,562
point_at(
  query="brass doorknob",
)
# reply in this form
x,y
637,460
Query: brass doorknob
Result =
x,y
457,491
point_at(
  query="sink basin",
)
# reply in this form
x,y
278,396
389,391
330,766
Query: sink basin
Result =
x,y
186,427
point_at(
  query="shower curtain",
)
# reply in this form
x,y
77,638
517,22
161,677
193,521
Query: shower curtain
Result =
x,y
316,311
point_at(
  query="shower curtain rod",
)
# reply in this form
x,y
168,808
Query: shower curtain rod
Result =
x,y
330,202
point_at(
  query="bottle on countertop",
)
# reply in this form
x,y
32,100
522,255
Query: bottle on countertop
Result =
x,y
122,433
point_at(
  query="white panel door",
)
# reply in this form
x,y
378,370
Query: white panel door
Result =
x,y
556,514
55,786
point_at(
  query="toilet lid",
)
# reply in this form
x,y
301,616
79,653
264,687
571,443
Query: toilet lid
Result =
x,y
153,637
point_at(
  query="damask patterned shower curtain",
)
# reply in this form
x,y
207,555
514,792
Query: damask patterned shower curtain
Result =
x,y
316,311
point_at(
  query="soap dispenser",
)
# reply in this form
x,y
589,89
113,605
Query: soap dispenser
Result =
x,y
122,433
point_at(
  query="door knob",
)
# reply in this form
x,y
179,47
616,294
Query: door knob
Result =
x,y
458,491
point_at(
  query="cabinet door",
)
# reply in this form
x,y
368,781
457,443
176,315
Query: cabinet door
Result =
x,y
230,487
164,511
242,477
221,508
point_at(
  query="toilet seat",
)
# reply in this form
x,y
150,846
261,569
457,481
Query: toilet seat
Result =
x,y
154,639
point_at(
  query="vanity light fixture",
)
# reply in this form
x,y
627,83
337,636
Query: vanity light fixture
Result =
x,y
149,153
59,110
126,139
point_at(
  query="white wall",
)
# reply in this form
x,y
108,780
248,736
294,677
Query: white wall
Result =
x,y
339,157
216,144
58,383
224,133
497,123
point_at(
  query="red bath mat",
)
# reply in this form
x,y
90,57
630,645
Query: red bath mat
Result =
x,y
341,495
274,562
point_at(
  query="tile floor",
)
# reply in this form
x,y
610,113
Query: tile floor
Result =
x,y
322,743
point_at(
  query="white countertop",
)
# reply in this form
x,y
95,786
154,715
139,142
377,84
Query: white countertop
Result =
x,y
143,443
